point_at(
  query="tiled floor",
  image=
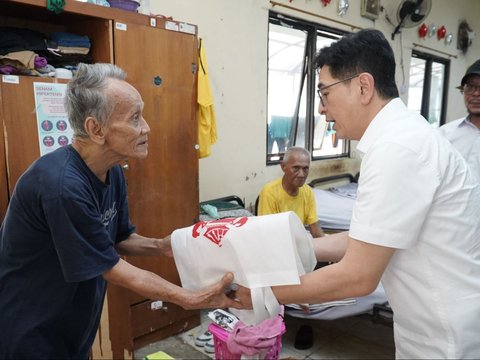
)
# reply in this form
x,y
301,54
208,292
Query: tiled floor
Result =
x,y
355,337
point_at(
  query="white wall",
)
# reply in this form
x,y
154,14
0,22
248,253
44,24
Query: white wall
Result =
x,y
235,38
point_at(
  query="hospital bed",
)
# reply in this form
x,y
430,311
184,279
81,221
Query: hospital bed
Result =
x,y
334,197
223,207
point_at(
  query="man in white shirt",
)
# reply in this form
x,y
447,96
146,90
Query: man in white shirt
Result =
x,y
415,221
464,133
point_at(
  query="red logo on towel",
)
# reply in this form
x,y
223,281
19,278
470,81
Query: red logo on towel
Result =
x,y
215,230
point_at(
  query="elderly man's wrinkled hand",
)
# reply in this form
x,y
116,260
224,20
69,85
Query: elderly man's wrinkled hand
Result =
x,y
219,295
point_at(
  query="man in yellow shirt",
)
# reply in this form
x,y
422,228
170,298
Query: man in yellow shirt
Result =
x,y
290,193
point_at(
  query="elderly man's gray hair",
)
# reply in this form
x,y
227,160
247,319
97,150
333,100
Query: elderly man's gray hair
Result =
x,y
86,95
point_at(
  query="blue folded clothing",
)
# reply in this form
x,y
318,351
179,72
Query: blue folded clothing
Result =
x,y
69,39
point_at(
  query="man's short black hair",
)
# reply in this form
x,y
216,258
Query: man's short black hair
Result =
x,y
364,51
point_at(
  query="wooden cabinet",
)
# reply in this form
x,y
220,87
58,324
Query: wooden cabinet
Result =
x,y
17,106
3,171
162,66
162,189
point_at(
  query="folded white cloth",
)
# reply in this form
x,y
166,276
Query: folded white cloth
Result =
x,y
313,308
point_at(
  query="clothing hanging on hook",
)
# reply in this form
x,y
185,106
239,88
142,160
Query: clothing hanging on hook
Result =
x,y
207,128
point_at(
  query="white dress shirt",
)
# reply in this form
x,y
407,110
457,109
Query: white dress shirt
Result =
x,y
465,137
416,194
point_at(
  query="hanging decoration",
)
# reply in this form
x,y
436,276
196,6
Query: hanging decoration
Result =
x,y
325,2
465,36
343,7
441,32
55,5
432,30
449,38
422,31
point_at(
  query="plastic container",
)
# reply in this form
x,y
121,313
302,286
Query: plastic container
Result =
x,y
129,5
220,337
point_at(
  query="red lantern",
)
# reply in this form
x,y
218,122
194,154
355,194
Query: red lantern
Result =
x,y
423,30
441,32
326,2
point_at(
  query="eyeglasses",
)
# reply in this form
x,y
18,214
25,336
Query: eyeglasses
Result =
x,y
469,89
319,91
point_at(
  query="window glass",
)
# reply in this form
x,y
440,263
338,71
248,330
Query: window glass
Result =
x,y
427,87
415,89
325,142
292,114
436,94
286,49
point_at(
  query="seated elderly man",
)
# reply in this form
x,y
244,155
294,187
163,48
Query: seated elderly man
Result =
x,y
290,193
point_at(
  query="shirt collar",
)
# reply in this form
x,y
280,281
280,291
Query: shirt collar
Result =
x,y
379,123
466,122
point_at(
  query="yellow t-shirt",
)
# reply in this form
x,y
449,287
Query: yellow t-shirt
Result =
x,y
274,199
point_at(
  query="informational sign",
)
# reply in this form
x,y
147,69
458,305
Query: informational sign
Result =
x,y
53,128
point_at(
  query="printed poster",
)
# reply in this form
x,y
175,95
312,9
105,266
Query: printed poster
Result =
x,y
53,128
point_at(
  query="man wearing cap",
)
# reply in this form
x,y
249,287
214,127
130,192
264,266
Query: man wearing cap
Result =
x,y
464,133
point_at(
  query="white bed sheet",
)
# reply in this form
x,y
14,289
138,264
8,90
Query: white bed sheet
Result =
x,y
362,305
334,206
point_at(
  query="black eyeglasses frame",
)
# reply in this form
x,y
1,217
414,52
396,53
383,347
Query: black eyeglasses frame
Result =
x,y
323,88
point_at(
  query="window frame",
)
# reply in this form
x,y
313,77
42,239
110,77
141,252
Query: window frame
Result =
x,y
425,107
313,30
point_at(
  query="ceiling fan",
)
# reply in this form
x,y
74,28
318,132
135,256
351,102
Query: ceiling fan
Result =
x,y
411,13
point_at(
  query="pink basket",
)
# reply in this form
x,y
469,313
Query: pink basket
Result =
x,y
220,337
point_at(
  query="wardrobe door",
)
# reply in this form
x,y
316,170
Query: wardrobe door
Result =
x,y
3,168
163,188
20,127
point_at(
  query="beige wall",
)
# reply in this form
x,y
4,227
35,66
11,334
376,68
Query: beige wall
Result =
x,y
235,38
